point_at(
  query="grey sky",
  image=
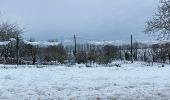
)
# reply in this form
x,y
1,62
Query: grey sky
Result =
x,y
96,19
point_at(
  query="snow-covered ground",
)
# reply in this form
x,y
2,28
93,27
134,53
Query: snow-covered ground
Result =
x,y
129,82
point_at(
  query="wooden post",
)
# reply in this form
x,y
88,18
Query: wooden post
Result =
x,y
131,49
17,47
75,48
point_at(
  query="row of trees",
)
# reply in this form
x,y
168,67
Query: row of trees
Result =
x,y
65,54
32,54
86,53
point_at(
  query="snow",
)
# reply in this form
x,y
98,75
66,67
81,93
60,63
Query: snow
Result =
x,y
31,43
116,42
41,43
12,39
131,82
7,42
121,42
4,43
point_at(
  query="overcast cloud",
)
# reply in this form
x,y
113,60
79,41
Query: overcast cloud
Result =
x,y
96,19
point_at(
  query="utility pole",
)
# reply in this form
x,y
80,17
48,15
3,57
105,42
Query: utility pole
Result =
x,y
120,53
75,48
17,47
136,51
131,48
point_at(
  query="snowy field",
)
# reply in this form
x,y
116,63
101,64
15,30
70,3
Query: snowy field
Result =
x,y
129,82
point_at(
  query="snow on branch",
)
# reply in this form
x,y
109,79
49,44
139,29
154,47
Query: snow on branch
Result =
x,y
4,43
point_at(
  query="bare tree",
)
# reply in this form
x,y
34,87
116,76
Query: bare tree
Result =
x,y
55,53
160,23
31,51
9,32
